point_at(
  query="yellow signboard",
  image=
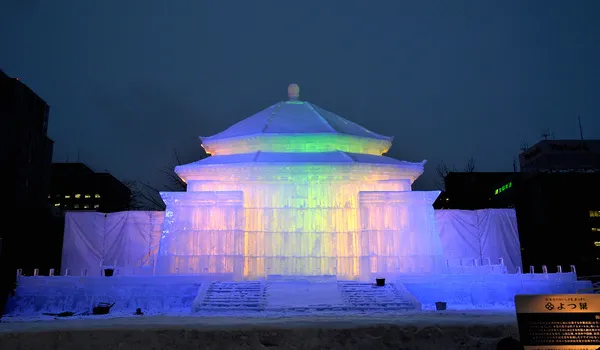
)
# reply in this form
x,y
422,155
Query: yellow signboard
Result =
x,y
559,321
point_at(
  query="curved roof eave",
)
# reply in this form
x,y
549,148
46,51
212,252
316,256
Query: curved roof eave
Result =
x,y
208,139
293,159
294,117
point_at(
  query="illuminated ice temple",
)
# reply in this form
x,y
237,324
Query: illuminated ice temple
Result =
x,y
295,209
298,190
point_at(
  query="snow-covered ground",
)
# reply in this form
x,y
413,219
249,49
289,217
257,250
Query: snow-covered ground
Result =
x,y
453,329
167,294
464,317
320,313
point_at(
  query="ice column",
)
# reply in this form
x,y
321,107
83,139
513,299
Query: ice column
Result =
x,y
203,233
398,233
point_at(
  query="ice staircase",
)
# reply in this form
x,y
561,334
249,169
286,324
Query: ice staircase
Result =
x,y
368,296
340,296
230,296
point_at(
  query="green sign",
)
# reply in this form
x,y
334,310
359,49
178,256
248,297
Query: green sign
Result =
x,y
503,188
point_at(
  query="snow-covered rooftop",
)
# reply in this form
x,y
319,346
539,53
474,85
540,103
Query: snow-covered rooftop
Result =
x,y
295,117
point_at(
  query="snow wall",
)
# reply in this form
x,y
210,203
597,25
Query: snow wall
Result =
x,y
130,240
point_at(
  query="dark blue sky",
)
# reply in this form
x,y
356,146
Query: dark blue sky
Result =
x,y
128,81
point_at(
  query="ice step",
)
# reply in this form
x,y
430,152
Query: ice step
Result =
x,y
369,296
224,296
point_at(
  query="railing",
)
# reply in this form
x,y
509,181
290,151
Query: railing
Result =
x,y
117,271
467,266
485,266
475,266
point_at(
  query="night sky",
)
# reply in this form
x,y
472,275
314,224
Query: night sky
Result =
x,y
129,81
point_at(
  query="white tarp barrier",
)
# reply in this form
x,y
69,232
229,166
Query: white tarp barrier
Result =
x,y
478,235
126,239
130,240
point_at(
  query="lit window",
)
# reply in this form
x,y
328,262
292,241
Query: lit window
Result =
x,y
597,244
77,195
76,206
87,196
96,195
86,206
67,196
596,229
595,213
96,206
57,204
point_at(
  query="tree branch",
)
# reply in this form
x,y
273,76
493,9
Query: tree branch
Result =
x,y
442,171
470,167
145,196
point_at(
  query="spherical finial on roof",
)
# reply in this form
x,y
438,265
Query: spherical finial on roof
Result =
x,y
293,92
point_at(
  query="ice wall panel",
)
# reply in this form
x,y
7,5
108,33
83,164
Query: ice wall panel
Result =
x,y
301,228
398,233
203,232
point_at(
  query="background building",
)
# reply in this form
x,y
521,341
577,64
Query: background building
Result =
x,y
25,149
474,190
25,155
556,198
561,155
75,186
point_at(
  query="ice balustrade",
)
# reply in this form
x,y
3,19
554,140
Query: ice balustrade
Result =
x,y
475,266
469,268
177,294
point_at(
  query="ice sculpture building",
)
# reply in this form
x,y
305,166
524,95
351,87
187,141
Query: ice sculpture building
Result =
x,y
298,190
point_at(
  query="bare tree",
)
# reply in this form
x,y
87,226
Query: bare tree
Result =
x,y
470,167
443,170
175,183
145,196
135,200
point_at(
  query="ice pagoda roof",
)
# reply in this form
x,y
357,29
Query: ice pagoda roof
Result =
x,y
275,158
295,117
284,157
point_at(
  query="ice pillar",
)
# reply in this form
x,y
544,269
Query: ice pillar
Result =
x,y
203,233
398,233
